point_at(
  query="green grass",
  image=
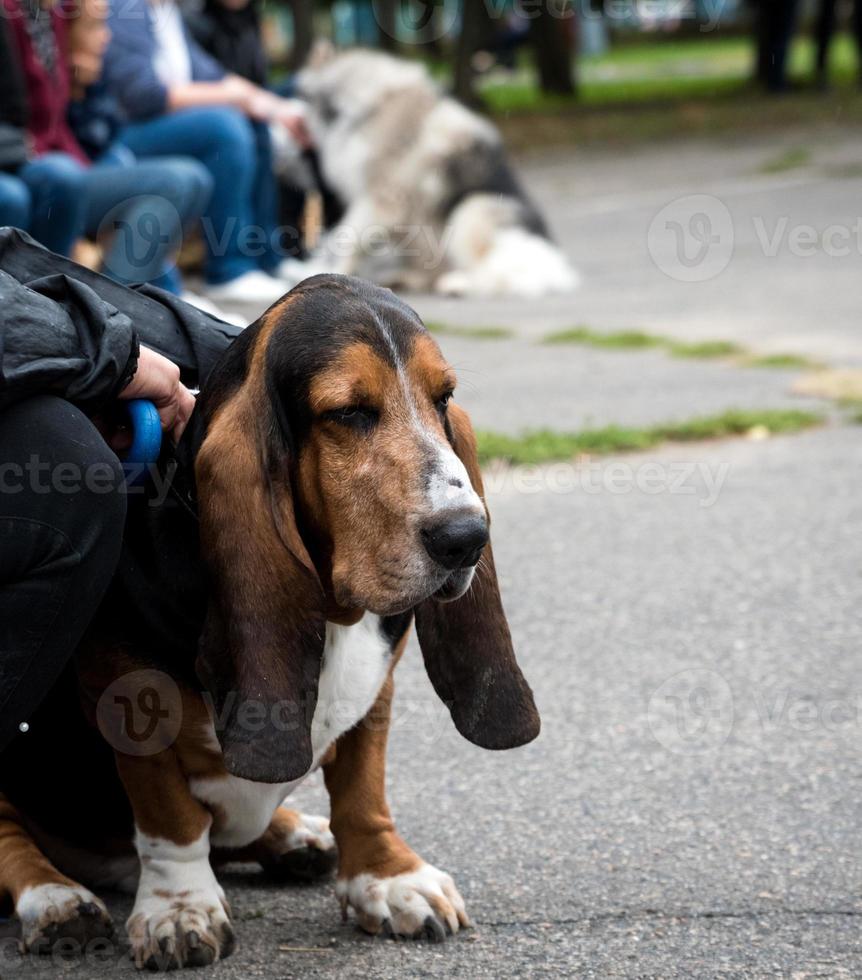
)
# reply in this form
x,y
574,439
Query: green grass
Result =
x,y
790,159
786,362
622,340
703,348
700,349
546,445
853,408
473,333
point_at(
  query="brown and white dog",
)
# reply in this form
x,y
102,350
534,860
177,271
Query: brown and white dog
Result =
x,y
251,635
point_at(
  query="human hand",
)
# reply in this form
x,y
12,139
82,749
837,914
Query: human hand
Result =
x,y
290,113
158,380
237,91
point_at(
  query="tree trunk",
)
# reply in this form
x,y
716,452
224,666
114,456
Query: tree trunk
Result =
x,y
475,28
775,24
386,12
552,47
302,12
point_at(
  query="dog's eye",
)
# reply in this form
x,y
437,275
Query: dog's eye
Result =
x,y
442,403
353,416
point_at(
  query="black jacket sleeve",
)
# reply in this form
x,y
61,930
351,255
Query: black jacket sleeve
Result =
x,y
57,336
68,330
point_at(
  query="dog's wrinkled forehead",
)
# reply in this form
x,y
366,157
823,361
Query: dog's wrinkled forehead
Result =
x,y
328,315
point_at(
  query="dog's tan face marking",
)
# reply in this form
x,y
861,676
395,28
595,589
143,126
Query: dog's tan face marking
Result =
x,y
376,449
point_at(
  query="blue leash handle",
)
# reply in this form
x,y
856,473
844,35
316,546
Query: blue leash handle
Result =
x,y
146,441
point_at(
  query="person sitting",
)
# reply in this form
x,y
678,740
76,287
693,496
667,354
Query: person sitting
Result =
x,y
73,346
231,31
177,98
140,209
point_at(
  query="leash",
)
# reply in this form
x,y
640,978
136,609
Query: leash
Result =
x,y
146,441
147,450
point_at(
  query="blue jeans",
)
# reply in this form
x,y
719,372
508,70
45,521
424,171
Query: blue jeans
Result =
x,y
138,208
14,202
240,223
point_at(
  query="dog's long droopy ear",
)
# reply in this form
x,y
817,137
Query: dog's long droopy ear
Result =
x,y
467,646
262,643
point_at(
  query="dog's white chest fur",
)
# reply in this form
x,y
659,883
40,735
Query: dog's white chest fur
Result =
x,y
356,661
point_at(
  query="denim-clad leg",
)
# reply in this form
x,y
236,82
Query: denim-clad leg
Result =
x,y
140,210
58,200
265,200
226,143
14,202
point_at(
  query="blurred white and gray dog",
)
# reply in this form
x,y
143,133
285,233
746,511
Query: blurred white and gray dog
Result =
x,y
431,202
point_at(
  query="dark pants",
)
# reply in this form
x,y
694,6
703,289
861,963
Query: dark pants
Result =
x,y
776,26
62,510
826,28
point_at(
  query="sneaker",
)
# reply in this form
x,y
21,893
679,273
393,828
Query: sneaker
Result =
x,y
292,271
208,307
251,287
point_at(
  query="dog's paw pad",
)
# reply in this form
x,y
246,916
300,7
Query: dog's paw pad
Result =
x,y
61,919
420,904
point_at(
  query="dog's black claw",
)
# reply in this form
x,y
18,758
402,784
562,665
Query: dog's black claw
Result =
x,y
227,940
197,953
434,930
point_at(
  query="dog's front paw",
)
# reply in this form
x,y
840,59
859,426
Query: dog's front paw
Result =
x,y
417,904
189,927
298,847
54,913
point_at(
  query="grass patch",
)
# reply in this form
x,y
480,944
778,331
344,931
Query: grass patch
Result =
x,y
788,362
473,333
703,348
622,340
788,160
547,445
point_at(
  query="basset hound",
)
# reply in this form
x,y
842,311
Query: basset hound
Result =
x,y
250,638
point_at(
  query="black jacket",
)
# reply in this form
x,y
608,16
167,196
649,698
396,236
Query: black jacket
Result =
x,y
67,331
233,38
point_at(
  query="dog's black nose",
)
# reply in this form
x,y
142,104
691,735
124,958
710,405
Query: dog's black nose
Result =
x,y
456,542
